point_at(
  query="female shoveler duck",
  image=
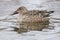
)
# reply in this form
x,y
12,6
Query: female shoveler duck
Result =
x,y
32,19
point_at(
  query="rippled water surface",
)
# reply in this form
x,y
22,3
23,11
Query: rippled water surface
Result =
x,y
7,22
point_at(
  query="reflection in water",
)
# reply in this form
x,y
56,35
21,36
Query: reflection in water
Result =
x,y
10,23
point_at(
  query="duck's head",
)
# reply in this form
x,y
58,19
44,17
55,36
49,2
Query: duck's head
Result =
x,y
20,10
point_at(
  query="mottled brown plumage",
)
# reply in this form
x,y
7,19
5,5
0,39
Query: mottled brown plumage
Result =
x,y
32,19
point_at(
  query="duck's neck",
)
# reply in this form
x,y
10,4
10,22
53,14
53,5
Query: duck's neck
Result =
x,y
22,12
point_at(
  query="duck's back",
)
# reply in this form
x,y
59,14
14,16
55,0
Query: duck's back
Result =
x,y
32,16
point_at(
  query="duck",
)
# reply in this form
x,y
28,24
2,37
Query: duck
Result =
x,y
32,19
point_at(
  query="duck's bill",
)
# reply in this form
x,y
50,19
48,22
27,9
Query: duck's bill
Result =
x,y
15,13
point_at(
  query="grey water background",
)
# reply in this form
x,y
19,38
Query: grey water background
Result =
x,y
7,22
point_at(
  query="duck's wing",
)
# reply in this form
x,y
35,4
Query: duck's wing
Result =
x,y
32,12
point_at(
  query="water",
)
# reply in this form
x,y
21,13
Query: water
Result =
x,y
7,22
